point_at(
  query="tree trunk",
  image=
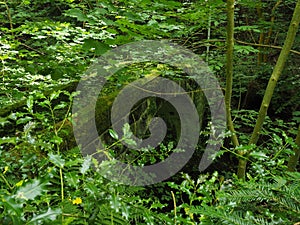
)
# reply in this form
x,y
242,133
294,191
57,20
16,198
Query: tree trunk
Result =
x,y
229,77
274,78
262,33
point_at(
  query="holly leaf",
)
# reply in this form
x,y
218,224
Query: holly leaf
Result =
x,y
30,190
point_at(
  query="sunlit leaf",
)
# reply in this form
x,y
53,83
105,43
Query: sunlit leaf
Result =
x,y
30,190
49,215
57,160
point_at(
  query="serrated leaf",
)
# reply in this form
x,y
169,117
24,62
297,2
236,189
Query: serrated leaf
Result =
x,y
91,188
23,120
10,140
30,190
54,95
60,106
245,147
86,165
73,162
56,139
56,160
3,121
126,131
49,215
258,155
72,179
29,102
277,139
10,203
130,142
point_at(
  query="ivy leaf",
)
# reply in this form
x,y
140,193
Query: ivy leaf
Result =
x,y
77,13
30,190
100,48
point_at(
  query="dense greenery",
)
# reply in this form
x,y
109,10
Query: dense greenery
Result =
x,y
47,45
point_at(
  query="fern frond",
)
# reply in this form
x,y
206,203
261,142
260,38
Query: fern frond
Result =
x,y
218,215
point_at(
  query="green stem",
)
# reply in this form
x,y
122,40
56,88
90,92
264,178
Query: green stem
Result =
x,y
62,191
294,159
229,81
5,181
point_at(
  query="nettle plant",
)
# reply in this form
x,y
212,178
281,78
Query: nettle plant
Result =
x,y
43,181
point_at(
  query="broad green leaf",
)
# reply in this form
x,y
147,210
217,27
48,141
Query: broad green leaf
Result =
x,y
113,134
77,13
130,142
60,106
10,140
258,155
49,215
74,162
245,147
72,179
248,28
23,120
86,165
90,188
126,131
277,139
54,95
56,139
10,204
56,160
99,47
30,190
115,203
296,116
3,121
